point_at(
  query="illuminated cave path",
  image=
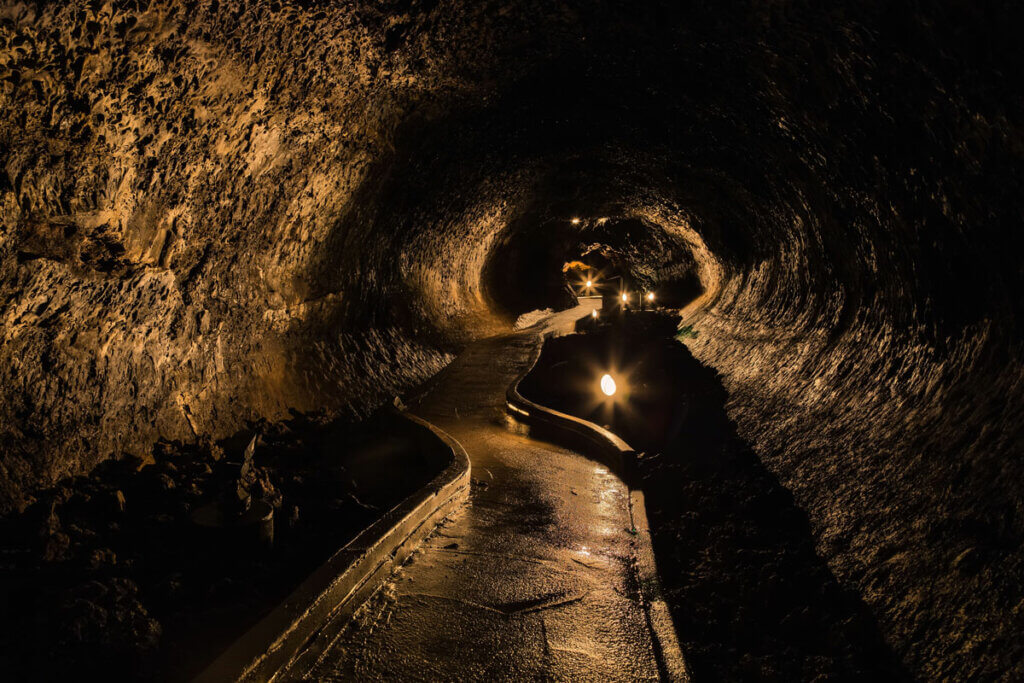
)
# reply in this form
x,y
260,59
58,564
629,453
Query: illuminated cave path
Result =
x,y
531,580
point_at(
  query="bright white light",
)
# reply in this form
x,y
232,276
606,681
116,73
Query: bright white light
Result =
x,y
650,296
590,283
593,313
608,385
575,221
625,297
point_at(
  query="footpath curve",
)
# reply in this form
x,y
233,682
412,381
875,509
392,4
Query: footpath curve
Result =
x,y
534,580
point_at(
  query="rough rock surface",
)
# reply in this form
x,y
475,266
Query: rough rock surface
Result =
x,y
218,211
108,577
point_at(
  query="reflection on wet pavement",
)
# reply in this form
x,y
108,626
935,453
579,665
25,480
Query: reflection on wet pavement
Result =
x,y
531,580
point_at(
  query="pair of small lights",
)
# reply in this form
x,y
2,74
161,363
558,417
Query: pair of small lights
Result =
x,y
625,297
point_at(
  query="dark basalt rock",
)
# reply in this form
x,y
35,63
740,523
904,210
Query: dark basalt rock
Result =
x,y
156,589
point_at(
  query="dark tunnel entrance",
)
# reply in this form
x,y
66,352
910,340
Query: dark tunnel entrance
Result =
x,y
543,265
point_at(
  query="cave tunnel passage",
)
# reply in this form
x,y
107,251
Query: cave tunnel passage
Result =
x,y
219,215
541,266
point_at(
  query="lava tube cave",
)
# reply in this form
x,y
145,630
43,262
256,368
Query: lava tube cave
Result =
x,y
294,288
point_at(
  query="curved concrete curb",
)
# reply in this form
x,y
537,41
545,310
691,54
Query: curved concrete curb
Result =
x,y
619,457
342,584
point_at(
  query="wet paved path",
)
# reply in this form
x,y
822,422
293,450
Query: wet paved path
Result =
x,y
531,581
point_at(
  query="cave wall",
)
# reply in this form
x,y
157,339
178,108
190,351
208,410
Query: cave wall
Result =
x,y
189,197
874,356
214,212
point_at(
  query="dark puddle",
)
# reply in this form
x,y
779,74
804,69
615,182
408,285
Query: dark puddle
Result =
x,y
106,577
751,598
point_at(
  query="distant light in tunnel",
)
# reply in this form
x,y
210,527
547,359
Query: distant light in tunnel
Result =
x,y
608,385
575,221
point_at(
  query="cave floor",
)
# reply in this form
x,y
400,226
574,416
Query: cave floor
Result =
x,y
531,580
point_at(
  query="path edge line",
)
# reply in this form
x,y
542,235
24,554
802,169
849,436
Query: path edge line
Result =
x,y
610,450
336,589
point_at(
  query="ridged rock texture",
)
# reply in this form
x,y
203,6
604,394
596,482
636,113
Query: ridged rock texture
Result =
x,y
218,211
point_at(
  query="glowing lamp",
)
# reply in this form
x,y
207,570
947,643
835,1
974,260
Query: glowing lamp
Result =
x,y
625,297
590,283
650,296
575,221
593,313
608,385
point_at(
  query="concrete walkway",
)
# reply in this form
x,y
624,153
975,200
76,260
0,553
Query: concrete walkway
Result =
x,y
531,581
